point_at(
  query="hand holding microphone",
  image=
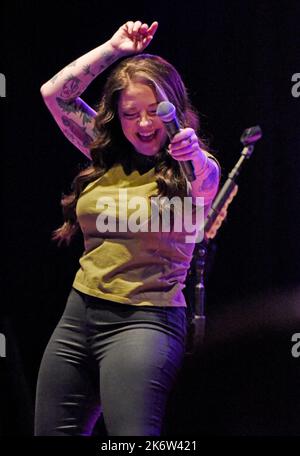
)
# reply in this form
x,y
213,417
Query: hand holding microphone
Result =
x,y
186,147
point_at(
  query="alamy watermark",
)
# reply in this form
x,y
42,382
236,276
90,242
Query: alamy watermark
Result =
x,y
296,87
133,214
295,350
2,346
2,85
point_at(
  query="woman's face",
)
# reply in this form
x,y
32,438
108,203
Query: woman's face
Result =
x,y
140,124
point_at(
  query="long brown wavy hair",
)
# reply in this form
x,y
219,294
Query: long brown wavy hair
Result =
x,y
111,146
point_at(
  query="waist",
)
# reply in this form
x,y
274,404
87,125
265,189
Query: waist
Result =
x,y
111,315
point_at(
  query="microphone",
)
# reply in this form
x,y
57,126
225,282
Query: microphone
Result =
x,y
166,111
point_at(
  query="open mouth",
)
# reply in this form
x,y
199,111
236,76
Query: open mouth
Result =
x,y
147,137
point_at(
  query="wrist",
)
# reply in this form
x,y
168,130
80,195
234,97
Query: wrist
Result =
x,y
200,163
115,50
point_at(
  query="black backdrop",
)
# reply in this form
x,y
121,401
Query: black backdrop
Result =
x,y
237,58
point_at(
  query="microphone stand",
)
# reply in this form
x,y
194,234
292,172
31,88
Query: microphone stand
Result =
x,y
196,314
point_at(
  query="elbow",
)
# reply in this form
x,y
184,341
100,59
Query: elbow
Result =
x,y
48,95
44,90
47,91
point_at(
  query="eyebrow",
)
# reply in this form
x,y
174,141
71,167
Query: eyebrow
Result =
x,y
134,107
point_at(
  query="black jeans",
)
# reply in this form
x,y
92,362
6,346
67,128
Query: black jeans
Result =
x,y
106,357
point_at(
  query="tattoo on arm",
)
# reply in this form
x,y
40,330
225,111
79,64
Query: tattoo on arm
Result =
x,y
57,75
72,64
71,88
87,71
72,83
210,181
77,131
107,59
76,106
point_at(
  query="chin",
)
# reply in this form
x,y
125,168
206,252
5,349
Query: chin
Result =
x,y
148,152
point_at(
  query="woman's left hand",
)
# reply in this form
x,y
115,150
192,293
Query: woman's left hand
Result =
x,y
185,146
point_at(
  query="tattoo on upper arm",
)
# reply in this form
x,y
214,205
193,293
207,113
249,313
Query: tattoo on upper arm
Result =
x,y
95,129
69,135
76,106
77,131
71,87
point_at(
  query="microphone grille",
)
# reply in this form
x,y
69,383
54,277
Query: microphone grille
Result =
x,y
166,111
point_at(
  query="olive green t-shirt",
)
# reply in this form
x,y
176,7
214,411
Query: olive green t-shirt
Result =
x,y
142,266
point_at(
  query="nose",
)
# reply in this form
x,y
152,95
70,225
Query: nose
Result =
x,y
144,120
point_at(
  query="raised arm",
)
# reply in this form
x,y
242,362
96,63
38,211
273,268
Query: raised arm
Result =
x,y
62,93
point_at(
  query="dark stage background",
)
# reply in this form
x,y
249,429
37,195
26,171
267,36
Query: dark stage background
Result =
x,y
238,59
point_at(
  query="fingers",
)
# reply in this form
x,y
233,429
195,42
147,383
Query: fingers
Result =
x,y
153,27
184,145
148,32
144,29
129,26
184,138
136,29
189,152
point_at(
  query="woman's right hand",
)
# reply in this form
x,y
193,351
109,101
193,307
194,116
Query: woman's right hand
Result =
x,y
133,37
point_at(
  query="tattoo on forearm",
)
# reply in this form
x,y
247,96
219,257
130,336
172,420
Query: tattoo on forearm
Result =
x,y
77,131
71,87
210,181
72,64
75,106
57,75
107,59
87,71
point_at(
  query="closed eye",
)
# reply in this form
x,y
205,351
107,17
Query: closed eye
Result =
x,y
130,115
134,115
